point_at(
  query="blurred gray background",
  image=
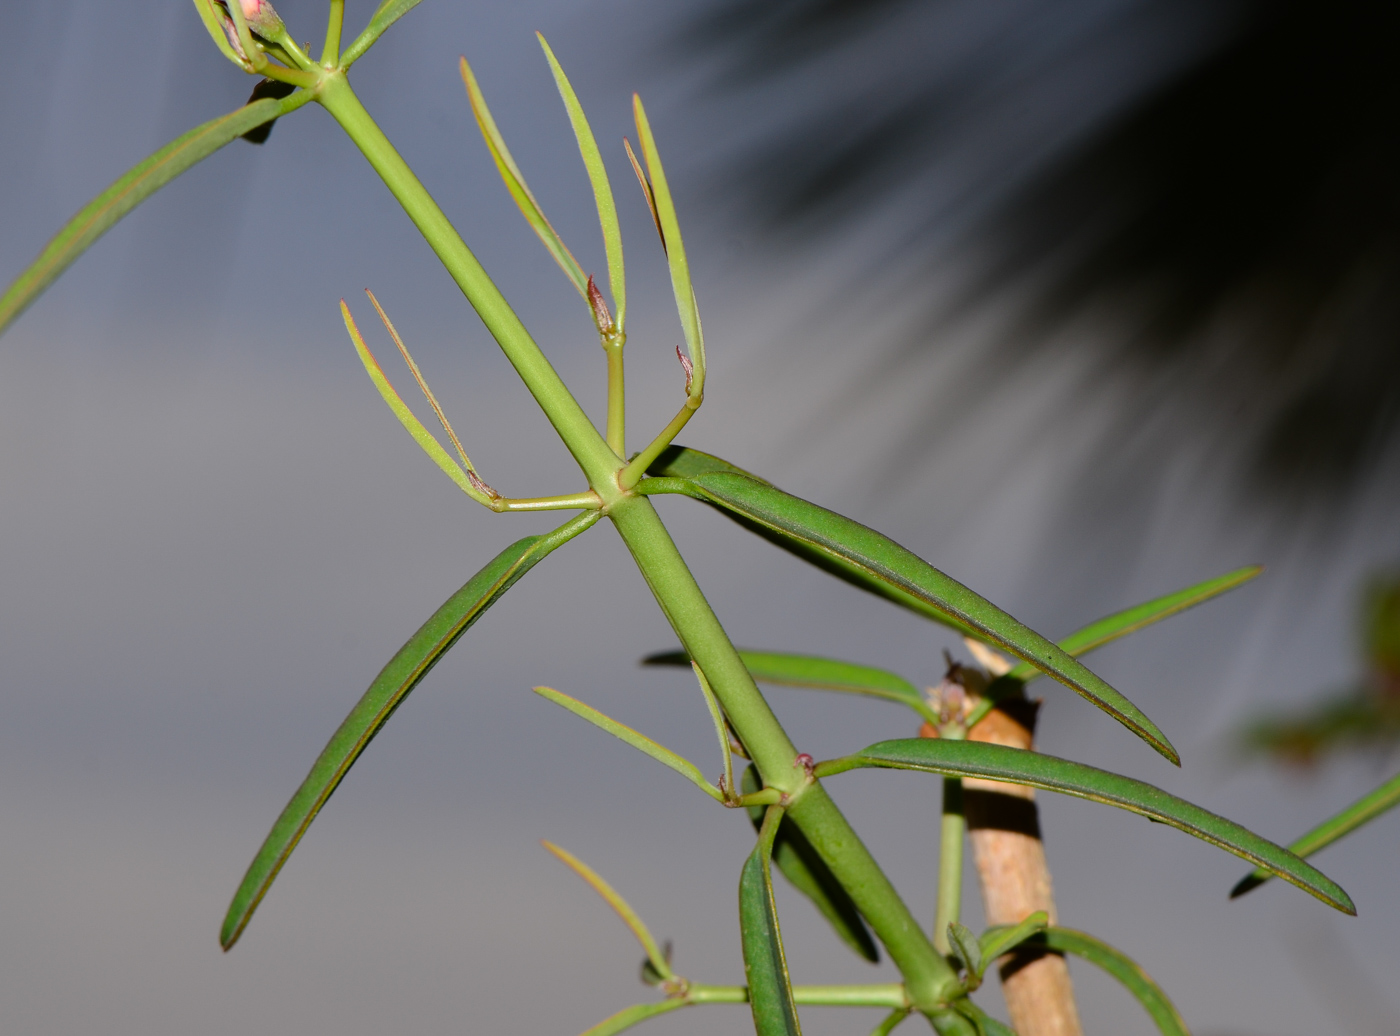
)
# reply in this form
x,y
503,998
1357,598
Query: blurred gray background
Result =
x,y
217,534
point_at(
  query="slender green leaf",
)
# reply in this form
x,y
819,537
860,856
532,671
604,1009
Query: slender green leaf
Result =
x,y
1130,620
1359,813
964,944
385,15
721,723
675,249
103,212
986,1025
655,956
683,462
901,575
388,691
630,1016
765,965
890,1021
639,741
826,674
424,438
1004,938
519,190
1016,766
598,178
1121,967
807,872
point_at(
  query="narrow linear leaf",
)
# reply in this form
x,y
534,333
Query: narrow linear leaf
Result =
x,y
1155,1002
598,178
630,1016
646,190
665,213
968,950
683,462
808,873
143,180
620,906
1130,620
898,574
985,1024
424,438
1017,766
639,741
890,1022
765,965
1005,938
515,184
1359,813
385,15
388,691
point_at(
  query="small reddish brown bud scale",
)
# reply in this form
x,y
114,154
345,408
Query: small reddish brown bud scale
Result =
x,y
687,366
481,486
601,316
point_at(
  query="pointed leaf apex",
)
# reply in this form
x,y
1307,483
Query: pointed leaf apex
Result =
x,y
601,316
687,366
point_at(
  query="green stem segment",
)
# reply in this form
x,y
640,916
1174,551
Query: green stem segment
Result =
x,y
950,861
568,418
927,975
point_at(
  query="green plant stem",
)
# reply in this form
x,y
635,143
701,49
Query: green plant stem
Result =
x,y
589,449
588,501
617,398
950,862
638,465
927,975
883,995
335,21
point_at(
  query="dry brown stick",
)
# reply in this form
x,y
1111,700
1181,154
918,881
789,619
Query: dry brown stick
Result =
x,y
1004,827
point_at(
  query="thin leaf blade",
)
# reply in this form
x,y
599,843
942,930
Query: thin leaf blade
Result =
x,y
827,674
808,873
1051,773
145,178
1005,938
1128,972
1359,813
388,691
636,739
519,190
655,955
1130,620
634,1015
900,575
765,964
385,15
598,179
665,214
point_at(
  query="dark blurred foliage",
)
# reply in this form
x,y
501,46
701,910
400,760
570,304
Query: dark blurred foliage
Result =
x,y
1360,718
1213,184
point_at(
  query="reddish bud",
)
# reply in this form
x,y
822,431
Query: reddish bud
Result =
x,y
601,316
687,366
261,18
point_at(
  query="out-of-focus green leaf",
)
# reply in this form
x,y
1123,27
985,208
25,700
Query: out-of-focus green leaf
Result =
x,y
385,15
1359,813
598,178
665,213
807,872
388,691
967,949
985,1024
901,576
1005,938
102,213
515,184
827,674
656,957
1130,620
1016,766
765,965
890,1022
639,741
213,16
630,1016
1121,967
